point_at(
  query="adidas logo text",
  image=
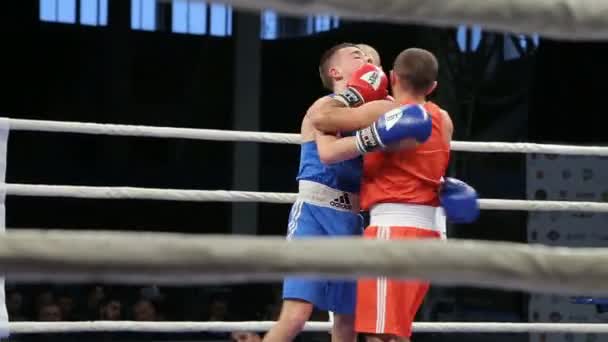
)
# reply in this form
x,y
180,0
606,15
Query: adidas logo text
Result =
x,y
342,202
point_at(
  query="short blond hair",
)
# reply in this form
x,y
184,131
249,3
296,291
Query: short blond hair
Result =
x,y
371,52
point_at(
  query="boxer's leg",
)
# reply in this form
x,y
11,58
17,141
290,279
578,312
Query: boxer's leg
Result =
x,y
300,295
400,299
294,315
341,295
343,329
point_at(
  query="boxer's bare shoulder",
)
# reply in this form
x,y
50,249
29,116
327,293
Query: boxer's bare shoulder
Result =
x,y
319,103
307,130
448,126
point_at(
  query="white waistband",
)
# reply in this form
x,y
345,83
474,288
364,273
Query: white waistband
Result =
x,y
407,215
324,196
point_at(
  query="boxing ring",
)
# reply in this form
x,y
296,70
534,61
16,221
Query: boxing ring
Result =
x,y
133,258
100,256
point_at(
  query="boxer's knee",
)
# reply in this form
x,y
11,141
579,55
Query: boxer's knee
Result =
x,y
292,318
294,315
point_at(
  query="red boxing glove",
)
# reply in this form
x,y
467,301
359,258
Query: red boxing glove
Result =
x,y
368,83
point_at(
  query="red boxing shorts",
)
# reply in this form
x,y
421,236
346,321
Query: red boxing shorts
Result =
x,y
386,306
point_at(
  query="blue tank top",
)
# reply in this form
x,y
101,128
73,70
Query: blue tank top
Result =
x,y
343,176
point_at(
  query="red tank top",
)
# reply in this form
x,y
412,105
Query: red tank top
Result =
x,y
409,175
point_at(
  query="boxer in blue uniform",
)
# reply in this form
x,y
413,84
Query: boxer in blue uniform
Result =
x,y
327,206
329,181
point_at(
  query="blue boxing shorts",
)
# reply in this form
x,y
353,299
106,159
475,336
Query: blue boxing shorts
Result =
x,y
321,211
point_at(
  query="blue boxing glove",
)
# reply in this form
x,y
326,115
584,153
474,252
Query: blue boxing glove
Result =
x,y
405,122
459,201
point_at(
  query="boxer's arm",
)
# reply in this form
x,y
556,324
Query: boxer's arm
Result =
x,y
333,149
398,128
334,116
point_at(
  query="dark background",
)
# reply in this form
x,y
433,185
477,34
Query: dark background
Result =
x,y
113,74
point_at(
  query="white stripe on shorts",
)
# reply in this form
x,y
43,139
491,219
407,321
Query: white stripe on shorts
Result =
x,y
381,287
293,220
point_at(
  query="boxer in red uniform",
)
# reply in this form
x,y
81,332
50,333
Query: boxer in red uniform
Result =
x,y
328,196
402,183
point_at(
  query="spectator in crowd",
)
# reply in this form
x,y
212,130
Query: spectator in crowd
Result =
x,y
245,336
218,310
94,297
66,304
97,303
46,297
144,310
49,312
110,309
14,306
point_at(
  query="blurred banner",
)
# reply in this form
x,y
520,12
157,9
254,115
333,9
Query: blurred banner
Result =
x,y
566,178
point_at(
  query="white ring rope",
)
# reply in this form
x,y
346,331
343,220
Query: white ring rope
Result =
x,y
278,138
40,190
182,259
106,192
501,147
151,131
196,327
565,19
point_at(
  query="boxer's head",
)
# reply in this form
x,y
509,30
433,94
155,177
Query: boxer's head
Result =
x,y
372,56
338,64
415,72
